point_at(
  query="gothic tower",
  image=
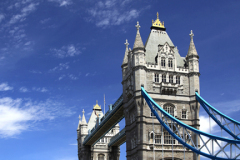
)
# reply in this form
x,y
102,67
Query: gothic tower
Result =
x,y
171,80
99,151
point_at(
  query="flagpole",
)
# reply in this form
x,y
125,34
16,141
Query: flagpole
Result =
x,y
104,104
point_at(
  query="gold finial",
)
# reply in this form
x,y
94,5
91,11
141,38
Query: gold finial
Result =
x,y
157,22
96,106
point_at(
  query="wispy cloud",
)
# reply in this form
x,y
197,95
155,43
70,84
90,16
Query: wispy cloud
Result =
x,y
70,76
112,12
40,89
1,17
62,2
90,74
66,51
24,13
60,67
23,89
5,87
18,115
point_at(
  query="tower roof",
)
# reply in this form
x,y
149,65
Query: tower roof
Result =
x,y
157,24
192,49
138,40
96,106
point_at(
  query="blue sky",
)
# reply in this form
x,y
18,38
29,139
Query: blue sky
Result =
x,y
58,57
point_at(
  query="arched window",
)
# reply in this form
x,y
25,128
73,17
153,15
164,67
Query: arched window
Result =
x,y
170,63
101,157
169,108
151,137
163,62
163,78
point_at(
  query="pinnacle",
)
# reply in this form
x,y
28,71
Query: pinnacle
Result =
x,y
125,59
83,118
138,41
192,49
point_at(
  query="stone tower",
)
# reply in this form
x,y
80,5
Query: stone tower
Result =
x,y
171,80
99,151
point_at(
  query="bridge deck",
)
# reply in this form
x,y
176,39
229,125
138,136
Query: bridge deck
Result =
x,y
118,139
109,120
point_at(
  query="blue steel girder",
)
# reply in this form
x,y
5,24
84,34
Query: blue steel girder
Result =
x,y
118,139
107,123
202,143
231,126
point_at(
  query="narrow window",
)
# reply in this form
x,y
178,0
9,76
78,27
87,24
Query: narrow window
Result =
x,y
170,63
151,138
156,77
158,139
163,62
178,79
163,78
184,114
170,79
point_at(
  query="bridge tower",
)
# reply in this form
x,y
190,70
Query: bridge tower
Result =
x,y
171,80
100,150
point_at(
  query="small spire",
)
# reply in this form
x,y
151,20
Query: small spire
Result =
x,y
83,118
192,49
80,122
138,41
157,15
125,59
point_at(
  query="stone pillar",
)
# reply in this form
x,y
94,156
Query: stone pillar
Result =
x,y
114,153
85,153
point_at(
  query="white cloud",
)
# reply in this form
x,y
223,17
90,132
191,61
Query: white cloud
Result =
x,y
18,115
66,51
111,12
70,76
60,67
62,2
228,107
23,89
5,87
205,126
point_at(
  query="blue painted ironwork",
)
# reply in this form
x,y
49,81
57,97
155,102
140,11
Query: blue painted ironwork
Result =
x,y
189,136
230,125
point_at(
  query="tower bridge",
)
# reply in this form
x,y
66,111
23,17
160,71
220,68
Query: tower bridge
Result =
x,y
160,104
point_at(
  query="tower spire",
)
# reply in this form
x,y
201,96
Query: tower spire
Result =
x,y
83,118
157,24
80,122
138,40
192,49
125,59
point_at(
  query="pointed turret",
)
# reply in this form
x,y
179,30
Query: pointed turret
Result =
x,y
79,123
192,49
83,118
138,41
125,59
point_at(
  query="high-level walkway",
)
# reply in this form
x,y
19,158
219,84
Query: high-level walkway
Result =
x,y
108,121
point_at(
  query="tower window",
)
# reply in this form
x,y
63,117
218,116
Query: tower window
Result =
x,y
170,63
163,78
151,137
178,79
168,139
156,77
158,138
184,114
163,62
169,109
170,79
